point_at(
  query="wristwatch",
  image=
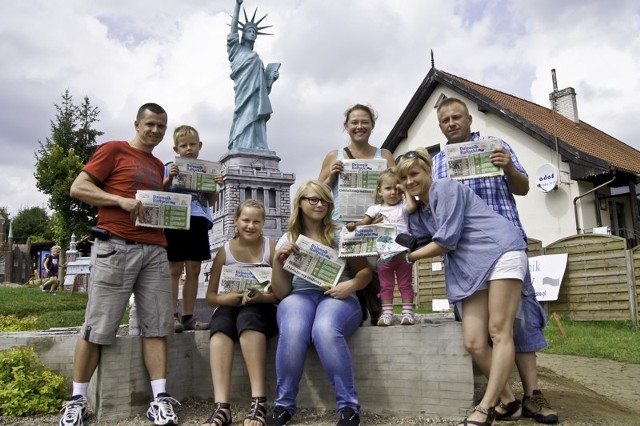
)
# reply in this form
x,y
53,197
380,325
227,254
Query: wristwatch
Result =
x,y
406,257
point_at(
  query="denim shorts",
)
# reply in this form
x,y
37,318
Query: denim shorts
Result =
x,y
527,331
117,270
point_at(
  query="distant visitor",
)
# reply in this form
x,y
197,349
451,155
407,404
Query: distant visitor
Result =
x,y
252,84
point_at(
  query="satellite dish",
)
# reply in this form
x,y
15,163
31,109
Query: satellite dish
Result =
x,y
547,177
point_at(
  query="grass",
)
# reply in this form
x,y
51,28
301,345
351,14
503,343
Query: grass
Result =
x,y
37,310
614,340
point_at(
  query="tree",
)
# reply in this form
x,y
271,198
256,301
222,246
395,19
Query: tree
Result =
x,y
4,214
60,159
34,223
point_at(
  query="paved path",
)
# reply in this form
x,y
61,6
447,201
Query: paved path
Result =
x,y
617,381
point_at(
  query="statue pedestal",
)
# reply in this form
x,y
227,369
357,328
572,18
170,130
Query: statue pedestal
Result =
x,y
252,174
251,159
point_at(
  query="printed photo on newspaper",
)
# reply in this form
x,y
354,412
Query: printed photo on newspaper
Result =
x,y
196,175
468,160
357,186
362,241
234,278
315,262
165,209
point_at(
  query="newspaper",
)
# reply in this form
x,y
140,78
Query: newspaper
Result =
x,y
388,249
469,160
315,263
362,241
235,278
196,175
165,209
357,185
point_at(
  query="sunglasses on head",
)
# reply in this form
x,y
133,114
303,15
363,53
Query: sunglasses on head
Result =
x,y
409,155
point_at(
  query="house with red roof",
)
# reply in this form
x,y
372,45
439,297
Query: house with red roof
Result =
x,y
595,176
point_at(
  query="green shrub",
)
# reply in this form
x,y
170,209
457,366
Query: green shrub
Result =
x,y
27,386
13,323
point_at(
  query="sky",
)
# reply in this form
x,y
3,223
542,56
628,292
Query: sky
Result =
x,y
334,53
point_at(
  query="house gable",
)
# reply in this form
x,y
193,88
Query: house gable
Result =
x,y
592,155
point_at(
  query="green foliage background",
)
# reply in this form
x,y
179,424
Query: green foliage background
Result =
x,y
59,161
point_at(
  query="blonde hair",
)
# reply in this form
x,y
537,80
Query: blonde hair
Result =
x,y
296,221
182,131
387,174
248,204
56,248
422,160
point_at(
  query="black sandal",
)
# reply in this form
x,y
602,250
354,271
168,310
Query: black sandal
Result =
x,y
509,410
489,412
220,416
258,410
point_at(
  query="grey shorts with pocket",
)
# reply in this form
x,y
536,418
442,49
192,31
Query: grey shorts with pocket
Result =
x,y
117,270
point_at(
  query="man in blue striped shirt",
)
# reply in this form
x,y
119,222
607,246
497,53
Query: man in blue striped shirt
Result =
x,y
498,192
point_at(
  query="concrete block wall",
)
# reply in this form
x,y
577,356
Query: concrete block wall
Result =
x,y
403,370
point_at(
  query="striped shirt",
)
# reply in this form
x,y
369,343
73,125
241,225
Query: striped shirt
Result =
x,y
493,190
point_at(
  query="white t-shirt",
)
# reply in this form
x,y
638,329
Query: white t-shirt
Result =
x,y
392,215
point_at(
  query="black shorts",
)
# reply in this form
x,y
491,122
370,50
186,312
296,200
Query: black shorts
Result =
x,y
233,320
192,244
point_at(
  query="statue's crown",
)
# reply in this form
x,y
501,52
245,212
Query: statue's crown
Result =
x,y
252,23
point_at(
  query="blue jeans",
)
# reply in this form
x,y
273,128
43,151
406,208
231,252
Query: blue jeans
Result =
x,y
308,317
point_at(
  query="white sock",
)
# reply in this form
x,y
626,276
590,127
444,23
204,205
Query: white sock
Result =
x,y
158,386
80,389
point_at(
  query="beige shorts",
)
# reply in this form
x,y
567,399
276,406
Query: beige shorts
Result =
x,y
117,270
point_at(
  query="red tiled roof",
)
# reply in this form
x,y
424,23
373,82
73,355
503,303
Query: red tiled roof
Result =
x,y
581,136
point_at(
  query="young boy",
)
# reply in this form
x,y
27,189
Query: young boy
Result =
x,y
51,263
187,249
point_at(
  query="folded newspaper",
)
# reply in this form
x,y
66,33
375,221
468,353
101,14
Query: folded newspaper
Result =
x,y
235,278
469,160
165,209
388,248
357,185
362,241
315,263
196,175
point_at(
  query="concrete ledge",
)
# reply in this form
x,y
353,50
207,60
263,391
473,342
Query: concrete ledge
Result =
x,y
410,370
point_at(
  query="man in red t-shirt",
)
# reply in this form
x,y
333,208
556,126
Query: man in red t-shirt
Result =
x,y
125,259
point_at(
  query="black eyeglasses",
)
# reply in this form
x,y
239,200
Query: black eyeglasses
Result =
x,y
315,200
409,155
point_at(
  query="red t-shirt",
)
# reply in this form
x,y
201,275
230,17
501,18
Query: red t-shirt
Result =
x,y
121,169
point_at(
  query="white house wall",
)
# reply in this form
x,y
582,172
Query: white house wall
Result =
x,y
545,216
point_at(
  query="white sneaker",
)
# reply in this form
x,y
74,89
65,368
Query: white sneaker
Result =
x,y
385,319
75,411
408,318
160,410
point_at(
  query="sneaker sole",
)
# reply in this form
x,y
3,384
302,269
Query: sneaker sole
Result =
x,y
551,419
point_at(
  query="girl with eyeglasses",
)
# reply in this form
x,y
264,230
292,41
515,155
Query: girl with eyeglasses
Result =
x,y
394,210
485,264
309,314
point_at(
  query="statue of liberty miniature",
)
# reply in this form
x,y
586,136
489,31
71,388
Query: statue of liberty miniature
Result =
x,y
252,84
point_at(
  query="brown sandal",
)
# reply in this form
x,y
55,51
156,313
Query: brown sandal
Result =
x,y
258,410
220,416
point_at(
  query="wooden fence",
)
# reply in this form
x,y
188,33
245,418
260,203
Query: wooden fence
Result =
x,y
601,281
